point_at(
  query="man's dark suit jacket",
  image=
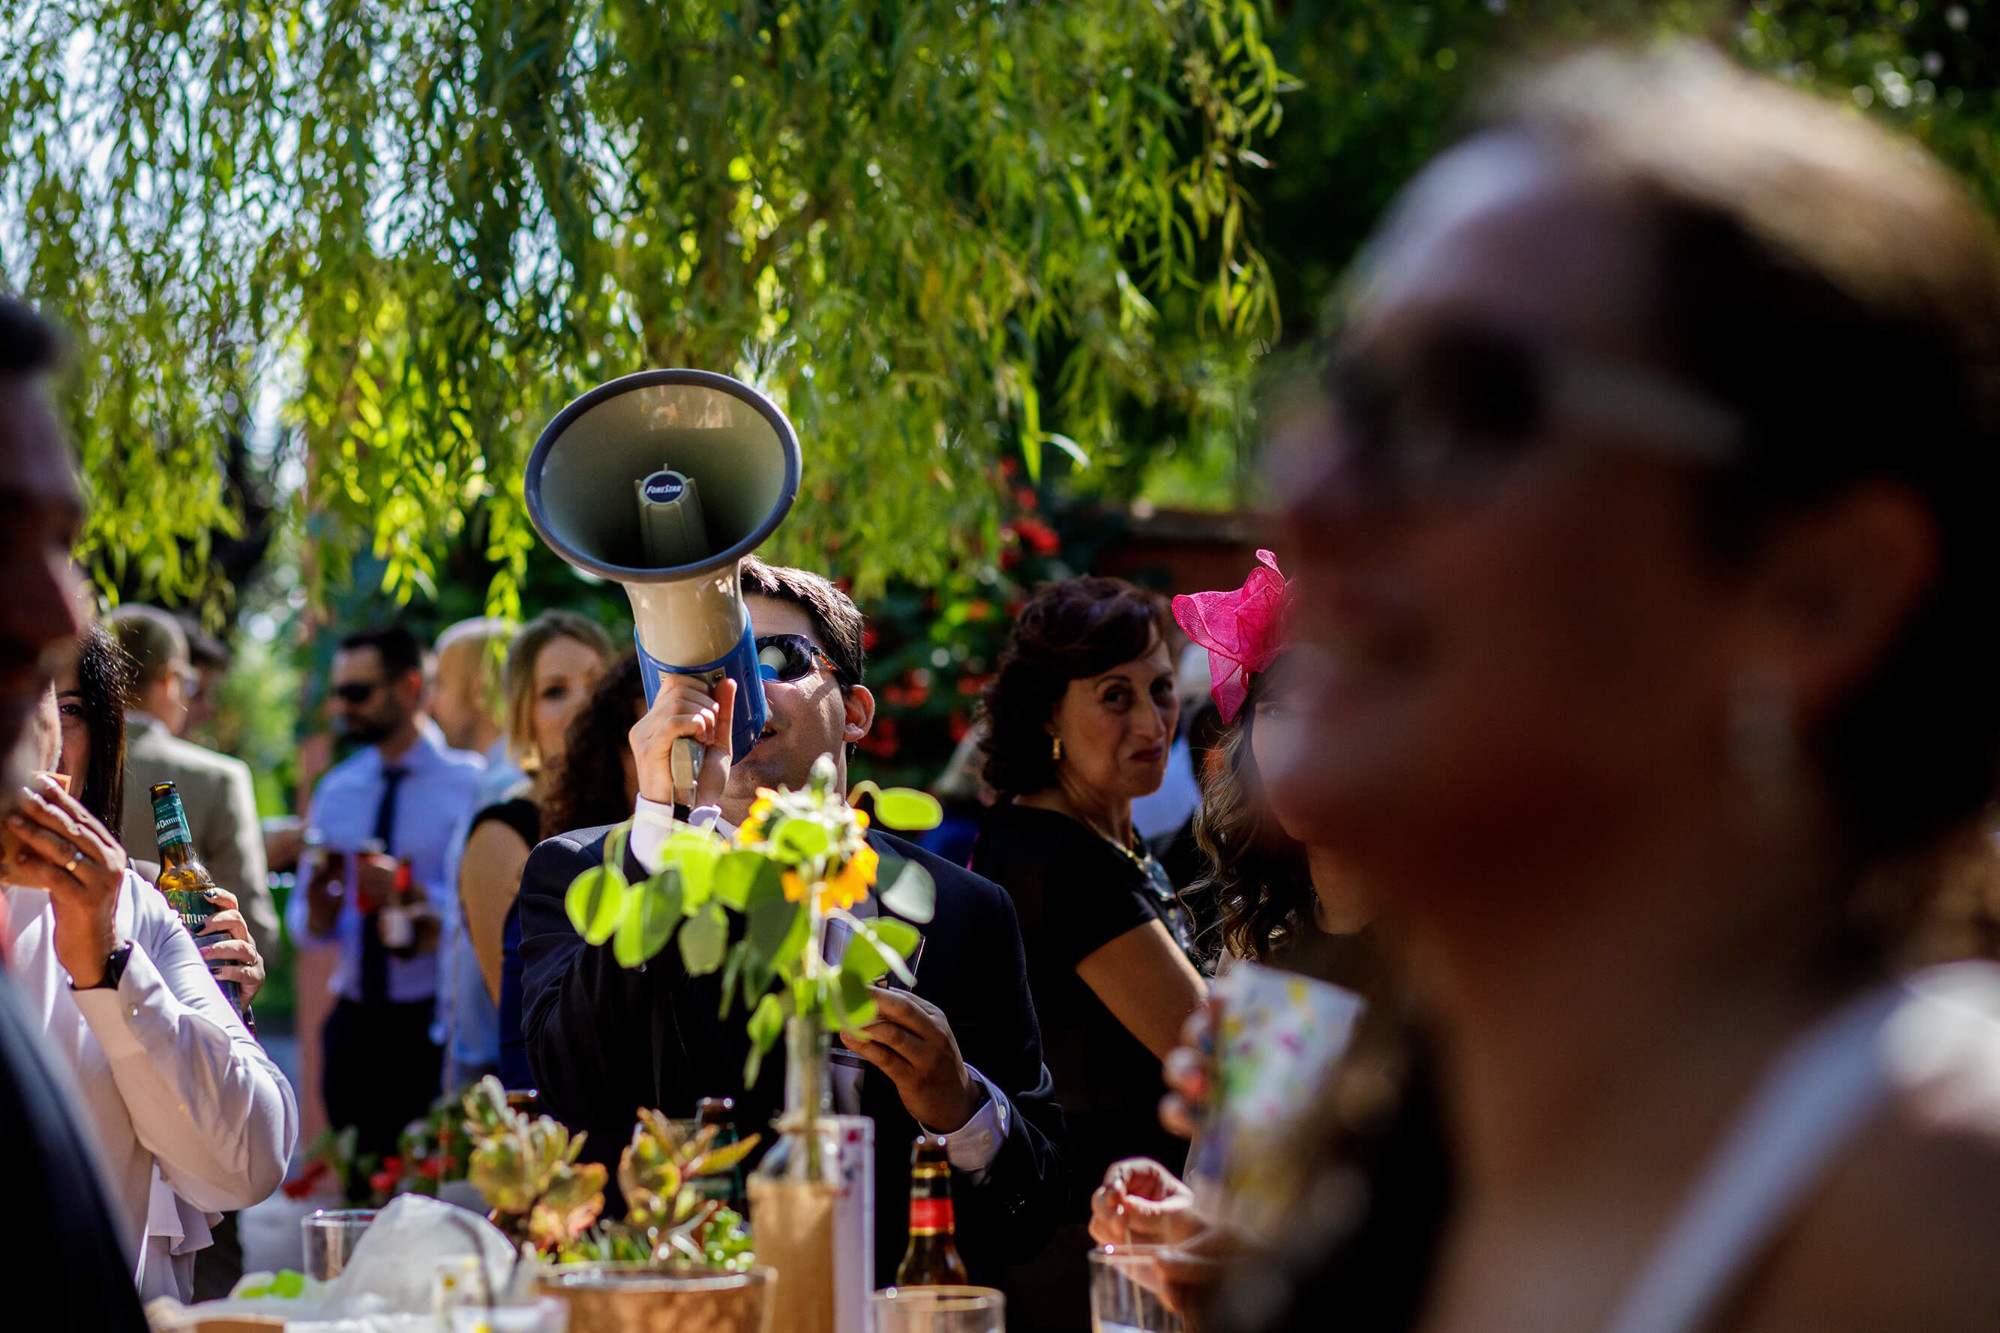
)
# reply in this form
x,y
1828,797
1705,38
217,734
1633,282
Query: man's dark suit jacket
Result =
x,y
604,1041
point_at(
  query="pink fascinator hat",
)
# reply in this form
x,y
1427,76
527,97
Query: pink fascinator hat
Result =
x,y
1242,630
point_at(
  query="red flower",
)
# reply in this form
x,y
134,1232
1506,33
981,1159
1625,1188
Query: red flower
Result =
x,y
306,1181
431,1168
393,1165
959,726
1026,498
973,684
384,1182
869,638
1040,537
882,742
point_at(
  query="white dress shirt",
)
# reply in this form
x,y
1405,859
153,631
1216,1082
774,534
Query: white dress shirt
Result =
x,y
972,1146
184,1104
431,803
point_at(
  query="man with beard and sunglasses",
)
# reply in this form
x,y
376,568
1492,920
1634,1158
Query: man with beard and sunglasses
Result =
x,y
959,1055
394,803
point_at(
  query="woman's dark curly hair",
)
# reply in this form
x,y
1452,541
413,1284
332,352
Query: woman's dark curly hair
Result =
x,y
1068,631
104,676
1257,876
587,788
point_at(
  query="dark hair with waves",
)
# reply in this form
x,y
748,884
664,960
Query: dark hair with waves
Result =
x,y
1257,876
587,788
105,675
1069,630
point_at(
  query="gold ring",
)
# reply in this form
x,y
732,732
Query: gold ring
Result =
x,y
75,859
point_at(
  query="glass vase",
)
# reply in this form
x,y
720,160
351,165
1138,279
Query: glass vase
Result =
x,y
796,1187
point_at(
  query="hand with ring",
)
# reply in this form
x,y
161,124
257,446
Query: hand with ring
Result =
x,y
51,842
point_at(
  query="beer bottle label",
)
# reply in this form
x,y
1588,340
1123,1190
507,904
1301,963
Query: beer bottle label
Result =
x,y
931,1217
169,819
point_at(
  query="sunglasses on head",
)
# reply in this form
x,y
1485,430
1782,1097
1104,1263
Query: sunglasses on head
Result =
x,y
1451,414
356,692
790,657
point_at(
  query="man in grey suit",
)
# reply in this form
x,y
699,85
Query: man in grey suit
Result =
x,y
215,789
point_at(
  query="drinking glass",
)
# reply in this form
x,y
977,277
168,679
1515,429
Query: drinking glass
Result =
x,y
331,1235
937,1310
546,1315
1126,1292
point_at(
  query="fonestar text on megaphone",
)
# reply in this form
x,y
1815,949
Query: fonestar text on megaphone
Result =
x,y
664,481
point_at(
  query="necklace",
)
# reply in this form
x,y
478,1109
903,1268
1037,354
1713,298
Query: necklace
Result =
x,y
1175,915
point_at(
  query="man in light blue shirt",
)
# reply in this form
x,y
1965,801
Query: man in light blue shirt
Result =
x,y
406,791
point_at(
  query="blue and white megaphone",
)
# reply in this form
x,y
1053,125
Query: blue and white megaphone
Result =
x,y
664,481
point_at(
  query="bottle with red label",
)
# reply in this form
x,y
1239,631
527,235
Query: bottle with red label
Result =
x,y
932,1257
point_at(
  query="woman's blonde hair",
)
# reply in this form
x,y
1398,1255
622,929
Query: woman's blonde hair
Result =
x,y
526,650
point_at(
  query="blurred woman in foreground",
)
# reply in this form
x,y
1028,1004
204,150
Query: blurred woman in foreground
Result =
x,y
1646,608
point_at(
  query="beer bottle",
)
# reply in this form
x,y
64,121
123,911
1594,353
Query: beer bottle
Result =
x,y
932,1258
726,1187
183,878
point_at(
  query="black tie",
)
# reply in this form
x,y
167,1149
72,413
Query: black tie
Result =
x,y
374,957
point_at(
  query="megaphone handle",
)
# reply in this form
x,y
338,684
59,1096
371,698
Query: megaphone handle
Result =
x,y
684,765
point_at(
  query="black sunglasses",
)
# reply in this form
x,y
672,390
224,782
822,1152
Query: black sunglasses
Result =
x,y
356,692
791,657
1467,403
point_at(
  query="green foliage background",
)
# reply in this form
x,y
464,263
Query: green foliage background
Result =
x,y
331,265
933,231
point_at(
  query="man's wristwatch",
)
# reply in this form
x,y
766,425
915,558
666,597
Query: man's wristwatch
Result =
x,y
114,969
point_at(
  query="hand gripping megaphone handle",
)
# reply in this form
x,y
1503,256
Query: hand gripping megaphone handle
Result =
x,y
684,765
752,711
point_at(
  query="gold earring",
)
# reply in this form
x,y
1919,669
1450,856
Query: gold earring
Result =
x,y
1056,750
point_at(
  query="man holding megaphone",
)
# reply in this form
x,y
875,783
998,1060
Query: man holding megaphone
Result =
x,y
959,1055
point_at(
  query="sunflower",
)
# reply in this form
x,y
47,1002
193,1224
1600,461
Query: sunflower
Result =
x,y
846,888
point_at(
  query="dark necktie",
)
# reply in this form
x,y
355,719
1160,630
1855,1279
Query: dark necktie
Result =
x,y
375,957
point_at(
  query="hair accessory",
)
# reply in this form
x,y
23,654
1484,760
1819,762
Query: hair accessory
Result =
x,y
1242,630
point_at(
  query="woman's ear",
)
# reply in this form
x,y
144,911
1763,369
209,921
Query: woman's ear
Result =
x,y
1836,587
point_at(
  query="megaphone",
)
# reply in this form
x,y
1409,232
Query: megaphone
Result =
x,y
663,481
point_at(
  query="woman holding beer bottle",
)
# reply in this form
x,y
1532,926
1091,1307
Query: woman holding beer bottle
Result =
x,y
173,1081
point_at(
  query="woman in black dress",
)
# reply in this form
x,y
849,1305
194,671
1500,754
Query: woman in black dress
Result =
x,y
1078,721
551,668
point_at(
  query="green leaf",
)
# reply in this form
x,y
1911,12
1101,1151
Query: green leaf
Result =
x,y
704,939
770,920
732,971
652,910
766,1025
595,902
897,940
804,838
857,1005
863,958
906,808
736,874
696,853
911,895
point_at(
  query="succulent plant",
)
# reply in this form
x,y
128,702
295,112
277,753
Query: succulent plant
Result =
x,y
527,1171
529,1176
654,1172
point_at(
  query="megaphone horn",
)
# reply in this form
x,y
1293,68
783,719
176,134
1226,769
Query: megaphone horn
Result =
x,y
664,481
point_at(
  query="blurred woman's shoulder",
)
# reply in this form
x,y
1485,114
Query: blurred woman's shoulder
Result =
x,y
1900,1231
